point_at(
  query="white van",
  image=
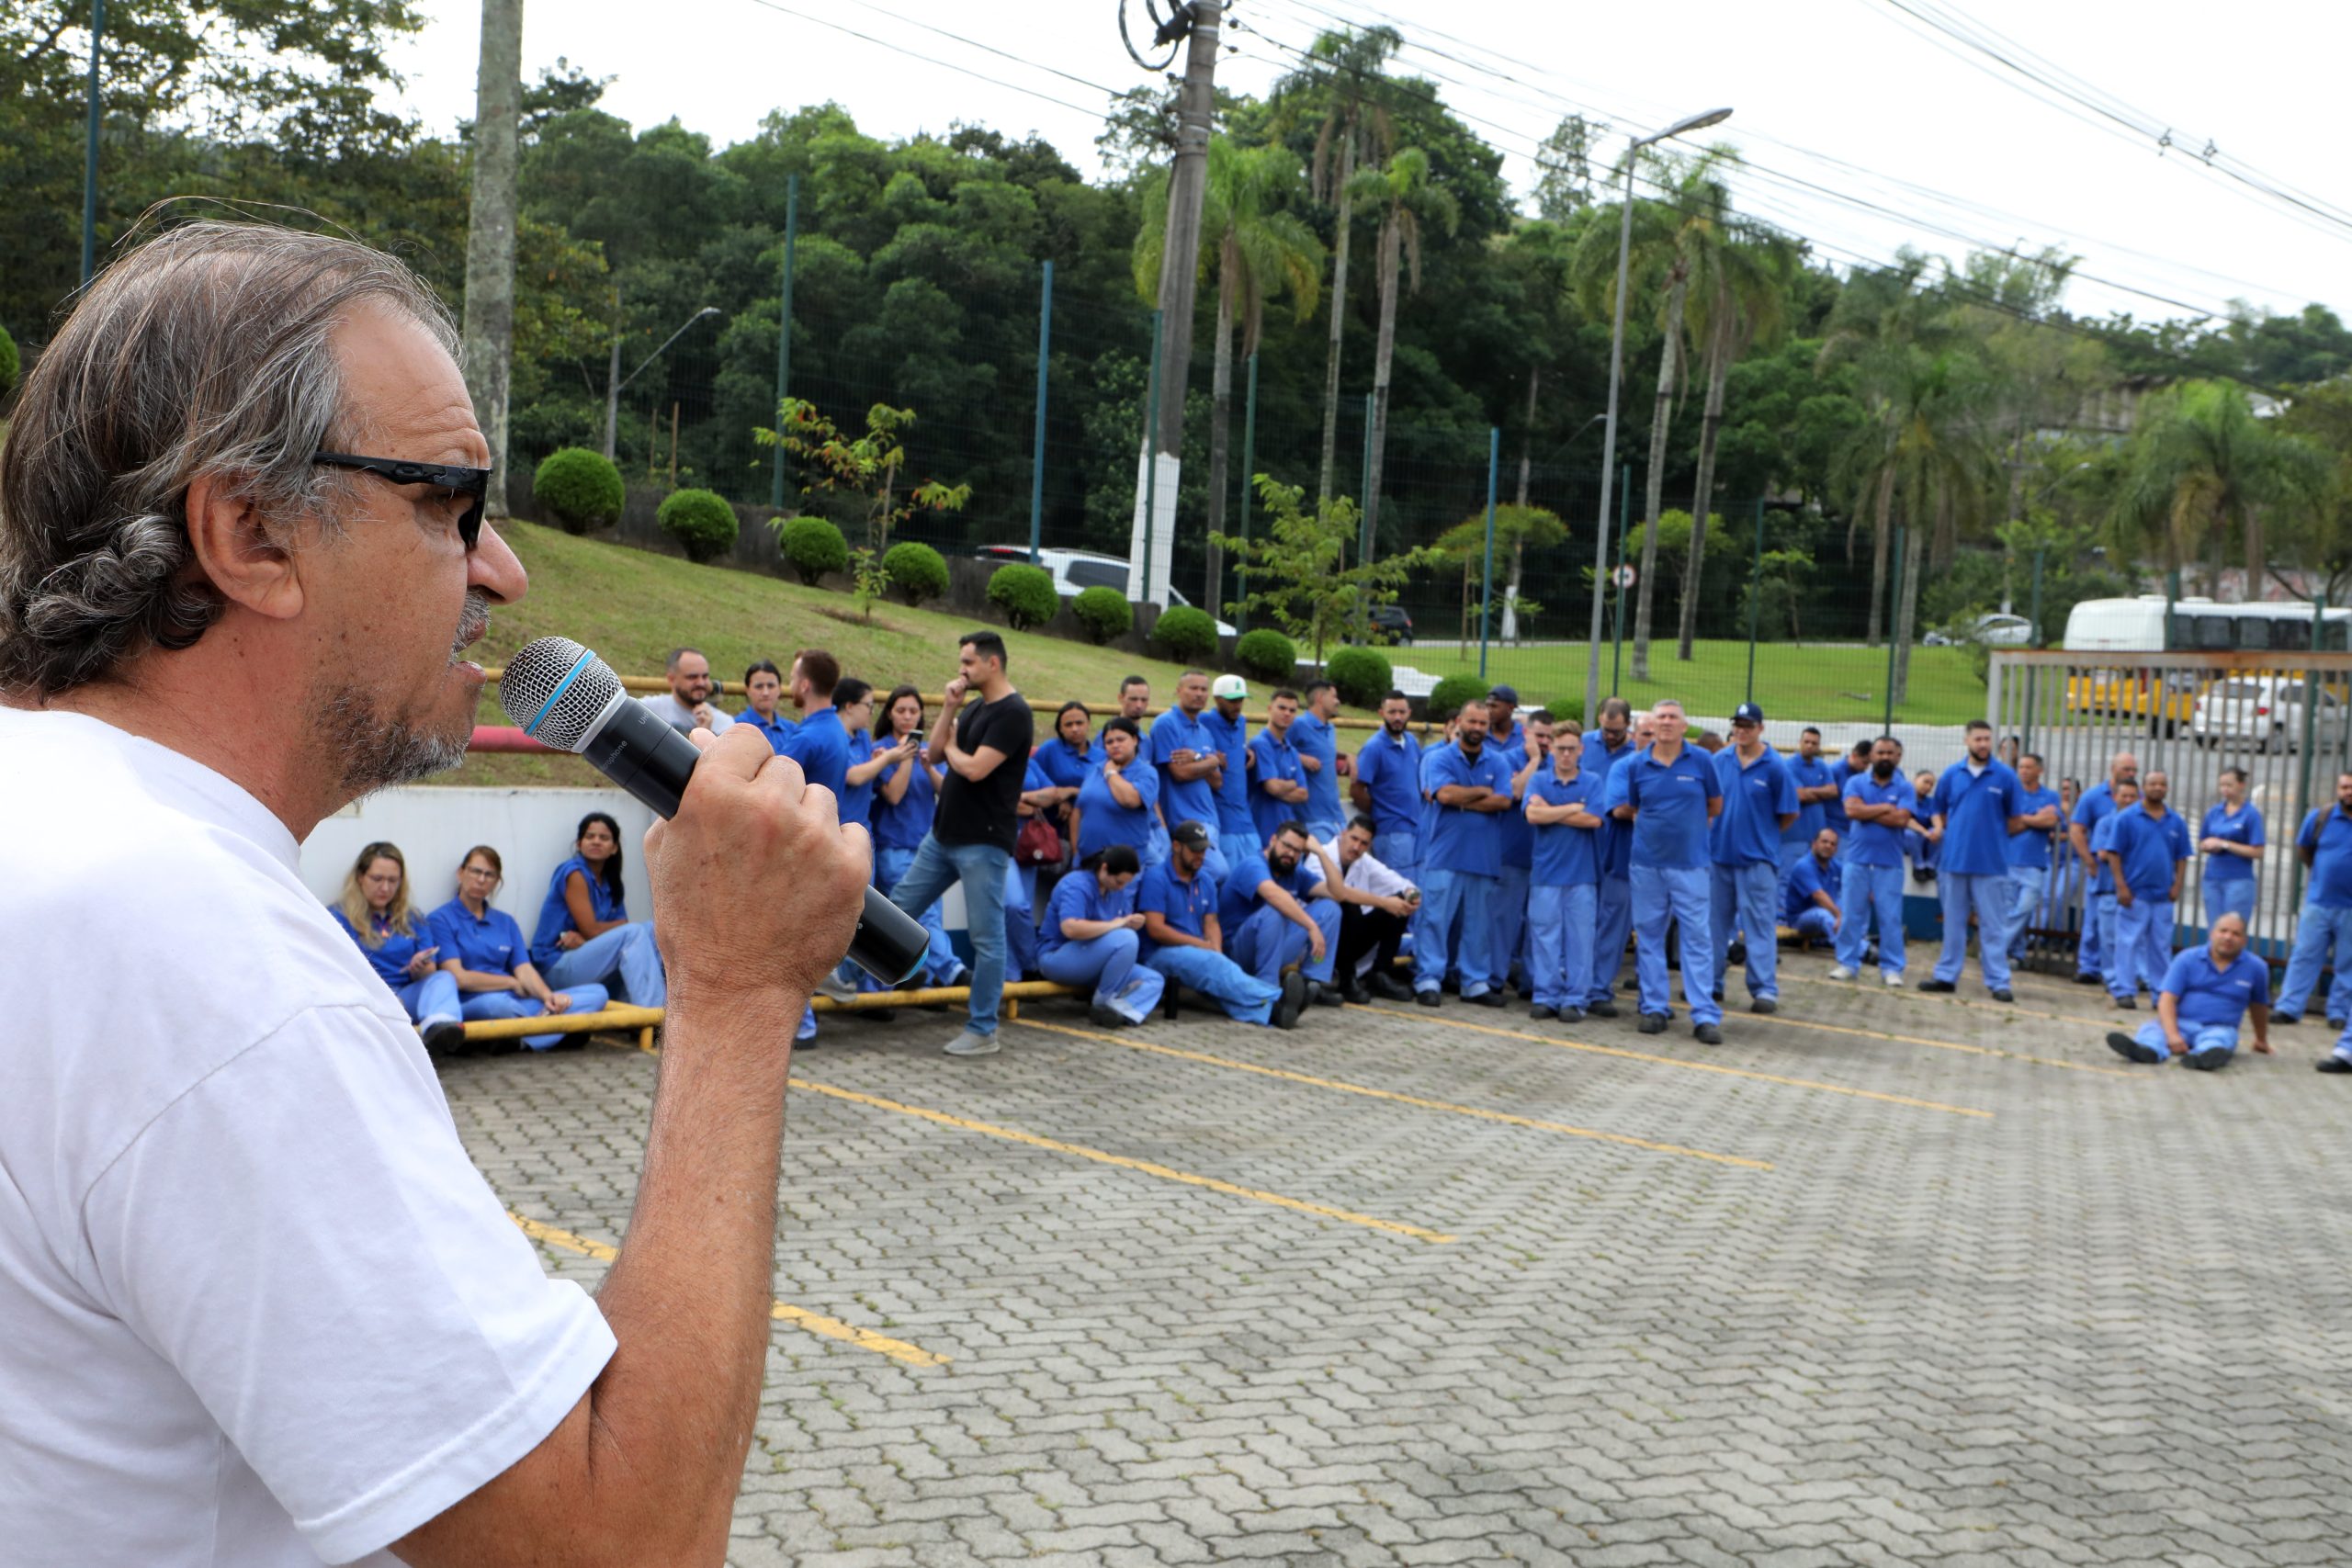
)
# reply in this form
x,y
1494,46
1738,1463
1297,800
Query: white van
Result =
x,y
1075,572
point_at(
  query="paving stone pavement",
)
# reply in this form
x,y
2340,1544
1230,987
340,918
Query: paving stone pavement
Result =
x,y
2106,1323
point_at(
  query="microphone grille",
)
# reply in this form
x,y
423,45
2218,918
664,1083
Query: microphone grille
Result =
x,y
554,688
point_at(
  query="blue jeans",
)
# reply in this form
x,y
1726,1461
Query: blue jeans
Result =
x,y
1682,894
628,951
1988,897
1559,944
1508,903
1815,925
2142,946
506,1004
982,869
2317,930
1872,892
1398,849
1245,998
1108,963
1747,898
1269,942
2026,885
940,962
432,999
1613,921
1446,896
2230,898
2201,1038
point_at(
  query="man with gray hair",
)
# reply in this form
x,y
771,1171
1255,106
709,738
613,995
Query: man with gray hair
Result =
x,y
262,1309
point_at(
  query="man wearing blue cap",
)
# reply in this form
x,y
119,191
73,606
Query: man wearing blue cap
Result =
x,y
1670,793
1759,803
1976,805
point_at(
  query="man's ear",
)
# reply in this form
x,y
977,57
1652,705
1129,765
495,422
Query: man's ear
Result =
x,y
245,565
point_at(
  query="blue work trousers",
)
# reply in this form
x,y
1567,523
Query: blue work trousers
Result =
x,y
1245,998
626,952
1399,849
432,999
1873,893
1107,964
2142,948
1446,896
2318,929
2230,898
2090,952
1508,902
1987,897
507,1004
1559,944
1681,895
983,869
1270,940
1612,922
1815,925
1747,898
2027,884
2201,1038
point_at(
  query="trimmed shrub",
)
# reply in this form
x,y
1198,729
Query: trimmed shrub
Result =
x,y
1454,694
1362,674
812,546
581,488
1189,635
1268,655
701,522
1568,710
1104,613
917,571
8,363
1026,593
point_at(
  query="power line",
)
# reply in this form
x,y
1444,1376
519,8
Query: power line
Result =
x,y
933,59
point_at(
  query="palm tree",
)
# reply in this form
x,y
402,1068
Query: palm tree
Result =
x,y
1404,195
1345,76
1879,317
1261,253
2202,470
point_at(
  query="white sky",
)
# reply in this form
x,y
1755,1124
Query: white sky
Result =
x,y
1849,80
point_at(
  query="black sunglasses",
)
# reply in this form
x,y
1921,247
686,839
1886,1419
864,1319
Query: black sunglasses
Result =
x,y
472,483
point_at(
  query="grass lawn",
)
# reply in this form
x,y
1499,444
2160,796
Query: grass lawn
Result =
x,y
1816,685
633,606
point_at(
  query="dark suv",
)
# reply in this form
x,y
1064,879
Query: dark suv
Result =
x,y
1392,623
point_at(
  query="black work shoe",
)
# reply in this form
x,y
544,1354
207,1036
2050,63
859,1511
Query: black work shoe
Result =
x,y
1321,995
1706,1035
2279,1018
1539,1012
1571,1015
446,1038
2092,978
1428,998
1388,987
2127,1004
1654,1023
1102,1017
2003,995
1938,986
880,1015
2131,1050
1485,999
1735,955
1353,991
1764,1005
1604,1008
1293,999
2207,1061
2335,1064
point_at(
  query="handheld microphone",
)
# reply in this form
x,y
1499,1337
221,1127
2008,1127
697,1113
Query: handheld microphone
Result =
x,y
568,698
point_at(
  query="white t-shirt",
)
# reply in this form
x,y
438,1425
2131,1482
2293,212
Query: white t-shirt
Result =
x,y
259,1307
665,706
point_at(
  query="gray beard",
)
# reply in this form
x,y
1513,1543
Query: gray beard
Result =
x,y
376,750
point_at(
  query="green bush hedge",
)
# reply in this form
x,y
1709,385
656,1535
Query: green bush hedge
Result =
x,y
917,571
1568,710
701,522
1189,635
1026,593
1454,694
10,365
1268,655
1104,613
811,547
1362,674
580,488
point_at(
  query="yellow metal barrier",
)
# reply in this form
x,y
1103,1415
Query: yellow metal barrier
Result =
x,y
643,1021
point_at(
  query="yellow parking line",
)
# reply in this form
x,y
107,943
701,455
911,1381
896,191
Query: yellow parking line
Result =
x,y
1678,1062
782,1311
1955,1045
1447,1106
1165,1173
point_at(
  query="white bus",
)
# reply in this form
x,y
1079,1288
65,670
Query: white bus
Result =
x,y
2199,626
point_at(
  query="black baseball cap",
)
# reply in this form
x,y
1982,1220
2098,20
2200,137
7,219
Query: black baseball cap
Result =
x,y
1192,835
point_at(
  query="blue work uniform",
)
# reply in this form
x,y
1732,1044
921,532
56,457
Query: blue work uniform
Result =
x,y
1807,877
1389,768
1874,875
2228,880
491,943
857,799
1564,877
1277,761
2151,849
1103,821
2028,858
1237,822
2324,923
1796,838
1457,878
1973,865
1105,966
627,952
1743,878
1264,941
1063,764
2209,1002
1185,800
1612,903
776,729
1186,906
1670,879
1515,851
1832,811
429,1001
820,745
2093,807
1313,738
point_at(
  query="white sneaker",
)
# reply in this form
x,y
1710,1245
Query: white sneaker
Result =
x,y
972,1043
1842,972
1894,981
833,985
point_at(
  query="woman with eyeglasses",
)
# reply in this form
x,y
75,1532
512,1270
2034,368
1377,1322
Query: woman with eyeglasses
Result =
x,y
482,951
399,945
584,935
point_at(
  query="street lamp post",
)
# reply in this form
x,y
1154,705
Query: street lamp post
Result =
x,y
613,390
1616,374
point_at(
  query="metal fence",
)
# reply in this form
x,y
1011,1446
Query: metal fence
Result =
x,y
2187,715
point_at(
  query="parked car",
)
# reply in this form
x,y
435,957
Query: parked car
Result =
x,y
1996,629
1075,572
2267,711
1391,621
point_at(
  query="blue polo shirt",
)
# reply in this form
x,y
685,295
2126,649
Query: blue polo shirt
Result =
x,y
1564,856
2031,848
1182,800
1833,812
1241,898
901,825
1103,821
1813,816
1277,759
821,746
2329,831
2244,826
1514,834
2211,997
1186,906
1614,851
1234,811
2093,807
490,946
2102,841
1461,839
775,730
1756,796
1080,896
555,914
1390,767
1063,764
857,800
2150,849
1312,737
1977,809
1876,843
393,950
1807,877
1671,800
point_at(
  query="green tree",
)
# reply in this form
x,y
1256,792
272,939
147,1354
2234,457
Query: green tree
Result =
x,y
2202,473
1564,167
1516,528
866,466
1296,566
1403,194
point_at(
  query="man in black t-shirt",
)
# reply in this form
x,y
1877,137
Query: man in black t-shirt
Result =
x,y
985,747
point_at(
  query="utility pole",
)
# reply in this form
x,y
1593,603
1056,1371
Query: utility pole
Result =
x,y
490,232
1180,264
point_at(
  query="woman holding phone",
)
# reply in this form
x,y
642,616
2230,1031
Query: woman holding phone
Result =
x,y
398,946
